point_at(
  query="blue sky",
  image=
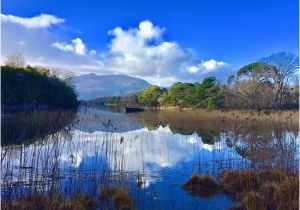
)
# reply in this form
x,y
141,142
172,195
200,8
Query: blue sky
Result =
x,y
203,38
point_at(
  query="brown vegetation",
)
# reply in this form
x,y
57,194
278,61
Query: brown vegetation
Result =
x,y
204,186
261,189
118,196
194,116
43,202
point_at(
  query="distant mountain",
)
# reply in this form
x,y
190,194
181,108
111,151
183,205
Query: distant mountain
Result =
x,y
90,86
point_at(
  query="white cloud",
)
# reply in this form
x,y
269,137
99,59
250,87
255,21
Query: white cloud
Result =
x,y
148,31
143,52
212,64
130,51
79,46
92,52
140,52
206,67
63,47
40,21
193,69
76,46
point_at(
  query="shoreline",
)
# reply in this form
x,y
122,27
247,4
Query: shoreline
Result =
x,y
284,116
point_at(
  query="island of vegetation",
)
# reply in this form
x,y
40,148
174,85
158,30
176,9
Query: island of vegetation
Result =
x,y
27,87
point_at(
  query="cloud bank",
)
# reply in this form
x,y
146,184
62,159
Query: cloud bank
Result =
x,y
140,51
40,21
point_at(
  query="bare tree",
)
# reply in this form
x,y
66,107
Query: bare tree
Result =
x,y
278,69
283,69
250,94
15,60
43,69
62,74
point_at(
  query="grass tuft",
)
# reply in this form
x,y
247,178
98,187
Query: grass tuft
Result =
x,y
44,202
204,186
119,197
263,189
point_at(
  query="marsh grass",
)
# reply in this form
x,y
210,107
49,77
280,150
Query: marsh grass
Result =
x,y
190,117
204,186
251,189
51,202
223,115
118,196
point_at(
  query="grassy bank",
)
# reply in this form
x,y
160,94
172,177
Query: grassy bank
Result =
x,y
251,189
291,116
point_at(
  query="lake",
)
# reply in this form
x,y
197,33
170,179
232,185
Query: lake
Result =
x,y
152,153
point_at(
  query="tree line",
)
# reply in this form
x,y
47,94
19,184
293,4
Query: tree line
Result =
x,y
270,83
24,86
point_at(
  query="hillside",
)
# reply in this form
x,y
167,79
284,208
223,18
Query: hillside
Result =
x,y
90,86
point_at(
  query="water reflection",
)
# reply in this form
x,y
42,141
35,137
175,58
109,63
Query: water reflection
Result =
x,y
29,126
264,142
161,149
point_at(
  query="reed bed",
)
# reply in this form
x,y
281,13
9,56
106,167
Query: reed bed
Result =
x,y
118,196
251,189
196,115
54,201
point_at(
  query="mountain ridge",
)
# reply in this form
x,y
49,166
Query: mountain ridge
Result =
x,y
89,86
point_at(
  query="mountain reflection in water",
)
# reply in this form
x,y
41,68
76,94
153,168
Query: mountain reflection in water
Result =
x,y
160,149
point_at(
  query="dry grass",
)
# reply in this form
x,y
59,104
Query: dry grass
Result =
x,y
204,186
252,200
264,189
118,196
43,202
223,115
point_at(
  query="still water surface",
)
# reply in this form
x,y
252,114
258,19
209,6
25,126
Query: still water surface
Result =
x,y
78,152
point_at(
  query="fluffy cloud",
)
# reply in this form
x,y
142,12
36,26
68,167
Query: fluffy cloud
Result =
x,y
212,64
207,66
77,46
143,52
148,31
140,51
40,21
